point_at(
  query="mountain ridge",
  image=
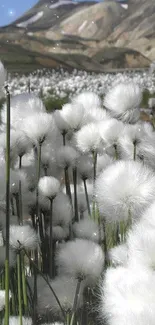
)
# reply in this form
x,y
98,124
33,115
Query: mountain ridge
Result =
x,y
91,36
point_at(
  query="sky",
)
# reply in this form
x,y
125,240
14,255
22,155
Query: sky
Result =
x,y
10,10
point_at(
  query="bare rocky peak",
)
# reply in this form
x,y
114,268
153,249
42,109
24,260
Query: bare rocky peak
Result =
x,y
84,35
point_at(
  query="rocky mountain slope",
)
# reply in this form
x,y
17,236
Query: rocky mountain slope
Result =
x,y
84,35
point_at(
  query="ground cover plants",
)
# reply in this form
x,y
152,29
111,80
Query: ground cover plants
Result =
x,y
77,208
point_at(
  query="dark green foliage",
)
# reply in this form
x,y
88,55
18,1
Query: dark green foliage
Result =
x,y
53,103
146,96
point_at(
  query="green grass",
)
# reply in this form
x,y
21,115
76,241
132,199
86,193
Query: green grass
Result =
x,y
52,103
146,97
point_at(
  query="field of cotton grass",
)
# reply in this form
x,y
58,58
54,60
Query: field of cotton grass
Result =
x,y
77,206
63,85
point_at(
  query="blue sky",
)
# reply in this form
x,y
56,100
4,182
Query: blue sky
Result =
x,y
12,9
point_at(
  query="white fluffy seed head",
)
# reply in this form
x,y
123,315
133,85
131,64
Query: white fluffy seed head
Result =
x,y
141,245
59,233
3,76
103,161
14,320
89,100
20,144
61,122
85,167
125,187
2,299
62,211
127,296
146,150
81,259
88,139
23,236
88,229
49,186
65,289
118,255
23,105
73,114
66,156
123,101
110,131
131,136
38,126
95,116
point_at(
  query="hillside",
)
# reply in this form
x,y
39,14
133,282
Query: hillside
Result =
x,y
91,36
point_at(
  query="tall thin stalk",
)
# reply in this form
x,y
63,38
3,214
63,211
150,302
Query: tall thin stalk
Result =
x,y
29,86
75,304
116,152
75,194
86,195
19,281
20,192
24,287
64,138
94,178
67,184
7,275
35,297
134,150
105,244
51,251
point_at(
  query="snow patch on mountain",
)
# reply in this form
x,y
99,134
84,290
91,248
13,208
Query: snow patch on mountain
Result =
x,y
62,3
31,20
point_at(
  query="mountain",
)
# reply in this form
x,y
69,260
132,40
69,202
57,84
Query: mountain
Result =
x,y
84,35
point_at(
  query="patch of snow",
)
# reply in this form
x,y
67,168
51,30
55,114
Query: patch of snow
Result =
x,y
125,6
82,26
31,20
61,3
30,34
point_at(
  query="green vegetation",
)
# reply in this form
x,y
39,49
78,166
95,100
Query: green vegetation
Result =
x,y
146,97
52,103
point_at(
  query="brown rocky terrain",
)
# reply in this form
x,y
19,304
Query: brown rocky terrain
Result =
x,y
92,36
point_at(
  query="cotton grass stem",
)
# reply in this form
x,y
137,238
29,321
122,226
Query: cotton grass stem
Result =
x,y
7,275
29,86
75,304
20,193
24,287
94,178
19,281
134,150
75,195
105,244
87,198
67,183
116,152
35,298
64,138
51,250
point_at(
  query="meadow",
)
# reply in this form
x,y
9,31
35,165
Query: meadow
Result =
x,y
57,87
77,199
